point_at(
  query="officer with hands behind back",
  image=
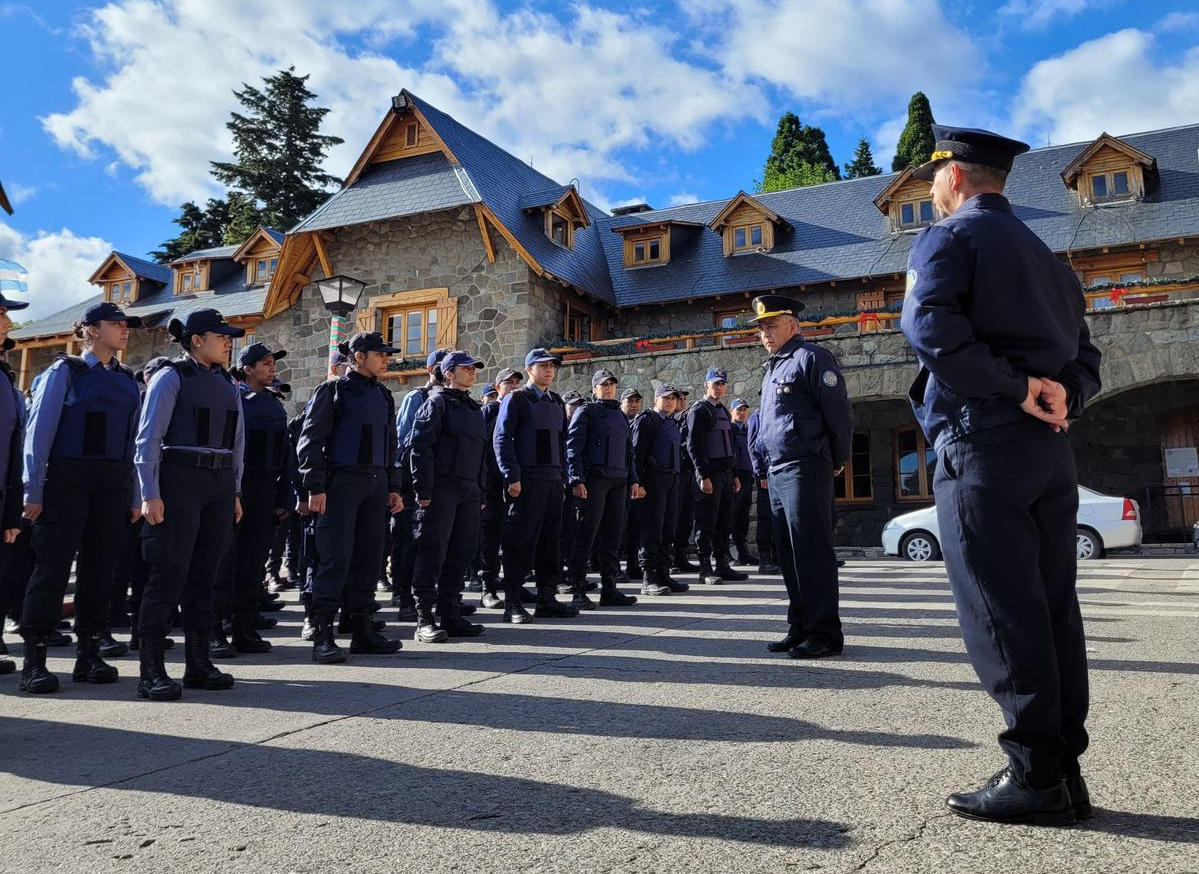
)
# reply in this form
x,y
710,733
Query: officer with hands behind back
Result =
x,y
805,433
347,454
996,321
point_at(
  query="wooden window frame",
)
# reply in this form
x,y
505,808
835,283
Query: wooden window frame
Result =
x,y
257,277
749,246
568,222
377,314
918,221
1109,177
662,238
198,270
237,344
847,475
735,313
924,477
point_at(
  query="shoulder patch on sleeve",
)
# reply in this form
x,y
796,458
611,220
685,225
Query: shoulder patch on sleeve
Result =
x,y
911,281
829,378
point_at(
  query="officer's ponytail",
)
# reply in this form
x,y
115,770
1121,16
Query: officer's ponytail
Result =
x,y
179,334
79,329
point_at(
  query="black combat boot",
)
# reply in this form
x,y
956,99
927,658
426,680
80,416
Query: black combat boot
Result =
x,y
549,606
7,666
324,648
154,682
219,646
707,576
364,640
768,565
455,626
681,564
245,637
407,605
577,589
109,646
662,575
89,667
199,671
724,566
34,675
491,598
610,596
427,629
514,609
652,584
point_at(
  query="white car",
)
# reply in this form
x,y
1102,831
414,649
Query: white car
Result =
x,y
1104,523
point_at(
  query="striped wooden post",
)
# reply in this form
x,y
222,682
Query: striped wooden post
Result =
x,y
339,328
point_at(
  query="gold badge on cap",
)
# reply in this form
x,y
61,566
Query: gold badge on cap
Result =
x,y
760,307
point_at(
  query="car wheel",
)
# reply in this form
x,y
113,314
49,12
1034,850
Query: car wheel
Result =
x,y
919,546
1089,545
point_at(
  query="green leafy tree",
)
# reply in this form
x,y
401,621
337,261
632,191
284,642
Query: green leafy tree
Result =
x,y
916,143
244,217
203,228
799,155
862,163
279,149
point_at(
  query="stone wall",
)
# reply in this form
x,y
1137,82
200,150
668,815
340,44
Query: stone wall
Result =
x,y
1174,261
699,315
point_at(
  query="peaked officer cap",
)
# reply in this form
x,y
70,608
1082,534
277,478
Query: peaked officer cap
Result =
x,y
970,146
770,305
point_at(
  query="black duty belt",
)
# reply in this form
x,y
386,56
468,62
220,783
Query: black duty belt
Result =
x,y
193,458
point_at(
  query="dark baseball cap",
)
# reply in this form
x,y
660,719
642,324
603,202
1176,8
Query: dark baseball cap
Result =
x,y
489,389
367,341
279,386
255,352
458,358
152,367
338,358
508,373
630,393
435,357
203,321
666,389
717,374
109,312
603,375
737,404
572,397
541,355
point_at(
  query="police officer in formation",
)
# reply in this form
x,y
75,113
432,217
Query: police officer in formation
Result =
x,y
683,532
529,443
347,463
495,506
657,448
601,474
266,497
743,470
764,530
570,505
630,405
806,433
189,457
80,492
12,433
710,445
1006,363
448,446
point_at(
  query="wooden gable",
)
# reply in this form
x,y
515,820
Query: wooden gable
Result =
x,y
403,133
112,269
903,201
747,225
120,284
1106,153
258,244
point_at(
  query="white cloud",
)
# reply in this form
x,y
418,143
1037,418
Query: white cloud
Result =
x,y
1178,21
1037,14
841,56
19,193
683,198
527,80
1116,83
59,264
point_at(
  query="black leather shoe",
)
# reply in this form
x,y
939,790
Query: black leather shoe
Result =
x,y
552,609
458,627
89,667
516,614
154,683
245,638
726,573
1080,798
262,623
35,677
610,596
325,650
199,672
491,600
794,638
7,666
429,632
365,640
1005,800
768,568
813,649
581,602
109,646
683,566
57,638
219,646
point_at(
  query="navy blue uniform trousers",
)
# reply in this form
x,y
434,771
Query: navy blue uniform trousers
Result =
x,y
656,514
601,524
446,532
714,515
1007,501
239,587
349,539
185,549
532,536
801,500
765,527
86,513
491,530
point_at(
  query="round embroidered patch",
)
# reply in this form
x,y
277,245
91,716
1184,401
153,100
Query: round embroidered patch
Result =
x,y
829,378
911,283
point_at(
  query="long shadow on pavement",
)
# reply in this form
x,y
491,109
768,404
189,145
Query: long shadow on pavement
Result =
x,y
325,783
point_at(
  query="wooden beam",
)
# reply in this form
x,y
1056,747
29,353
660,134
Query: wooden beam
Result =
x,y
322,255
300,279
511,240
23,380
487,244
327,236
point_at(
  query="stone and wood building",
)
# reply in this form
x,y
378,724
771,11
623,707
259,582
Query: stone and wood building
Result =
x,y
461,244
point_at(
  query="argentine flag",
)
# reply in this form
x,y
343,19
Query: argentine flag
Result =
x,y
12,277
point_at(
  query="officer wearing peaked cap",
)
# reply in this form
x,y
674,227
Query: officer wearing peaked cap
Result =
x,y
189,458
347,454
805,432
449,441
1006,361
710,445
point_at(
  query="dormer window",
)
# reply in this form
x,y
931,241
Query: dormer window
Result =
x,y
746,225
1110,171
562,210
643,250
916,213
264,269
190,278
120,292
558,228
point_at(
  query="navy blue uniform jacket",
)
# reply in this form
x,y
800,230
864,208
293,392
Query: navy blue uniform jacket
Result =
x,y
805,410
988,305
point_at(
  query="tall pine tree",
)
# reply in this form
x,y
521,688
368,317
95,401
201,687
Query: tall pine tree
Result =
x,y
916,143
799,155
862,163
203,228
279,149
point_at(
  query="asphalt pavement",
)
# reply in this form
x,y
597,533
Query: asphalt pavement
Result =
x,y
657,738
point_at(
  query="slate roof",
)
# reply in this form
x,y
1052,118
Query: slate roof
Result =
x,y
536,199
228,294
147,269
838,233
215,253
425,183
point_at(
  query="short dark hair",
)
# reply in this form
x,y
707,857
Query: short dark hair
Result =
x,y
982,175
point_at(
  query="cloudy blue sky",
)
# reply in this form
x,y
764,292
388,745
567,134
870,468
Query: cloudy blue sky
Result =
x,y
110,113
